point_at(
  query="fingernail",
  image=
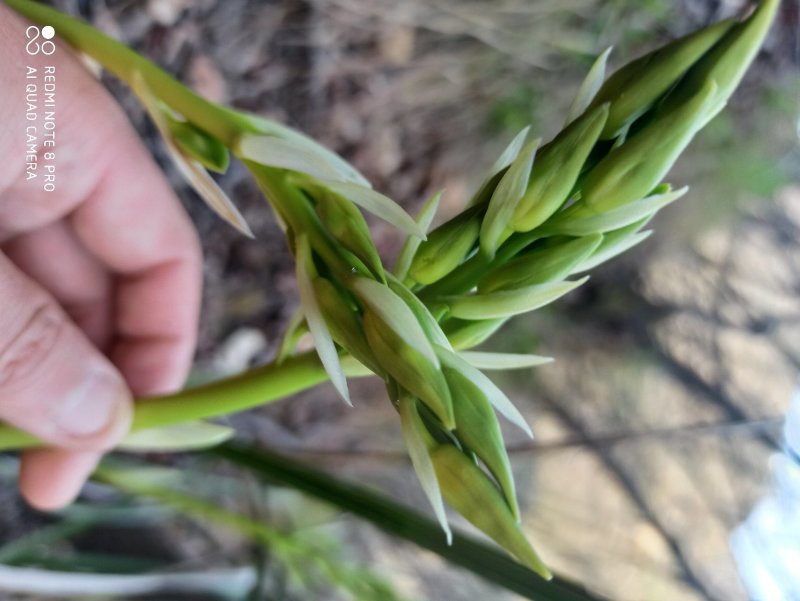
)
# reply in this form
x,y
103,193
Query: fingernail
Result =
x,y
92,407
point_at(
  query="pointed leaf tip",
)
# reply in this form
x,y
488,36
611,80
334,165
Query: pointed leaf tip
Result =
x,y
326,349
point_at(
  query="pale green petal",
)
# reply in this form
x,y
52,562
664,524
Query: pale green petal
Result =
x,y
495,396
497,361
424,219
589,87
377,204
506,303
506,196
289,154
326,349
414,436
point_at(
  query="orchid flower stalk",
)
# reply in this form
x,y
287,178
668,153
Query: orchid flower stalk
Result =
x,y
544,214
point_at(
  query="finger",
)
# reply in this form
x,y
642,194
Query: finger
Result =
x,y
76,279
133,223
50,479
123,212
53,382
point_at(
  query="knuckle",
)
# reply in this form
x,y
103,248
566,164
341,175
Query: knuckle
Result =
x,y
25,349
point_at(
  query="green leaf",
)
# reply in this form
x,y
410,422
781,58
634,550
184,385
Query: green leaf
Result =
x,y
188,436
415,434
498,361
424,219
326,349
506,303
399,520
504,201
589,87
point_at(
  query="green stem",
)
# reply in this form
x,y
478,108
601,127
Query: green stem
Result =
x,y
258,386
225,124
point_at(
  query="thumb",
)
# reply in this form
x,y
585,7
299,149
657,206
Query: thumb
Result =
x,y
54,383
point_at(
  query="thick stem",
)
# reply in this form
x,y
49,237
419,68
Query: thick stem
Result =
x,y
258,386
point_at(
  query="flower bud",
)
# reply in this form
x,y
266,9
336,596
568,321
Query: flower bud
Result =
x,y
634,88
629,172
401,348
472,494
446,246
557,168
554,261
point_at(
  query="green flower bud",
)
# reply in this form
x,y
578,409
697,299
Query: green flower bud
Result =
x,y
477,428
553,261
470,492
629,172
446,246
727,62
198,145
348,226
505,303
402,349
344,323
496,224
556,170
634,88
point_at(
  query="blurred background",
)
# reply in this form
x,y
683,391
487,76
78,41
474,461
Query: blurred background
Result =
x,y
675,363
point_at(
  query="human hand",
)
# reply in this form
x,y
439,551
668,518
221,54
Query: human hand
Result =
x,y
99,279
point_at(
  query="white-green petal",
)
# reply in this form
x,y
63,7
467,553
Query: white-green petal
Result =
x,y
493,394
345,169
510,153
395,313
506,197
418,452
187,436
497,361
424,220
589,87
326,349
506,303
192,171
290,154
604,254
377,204
585,221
